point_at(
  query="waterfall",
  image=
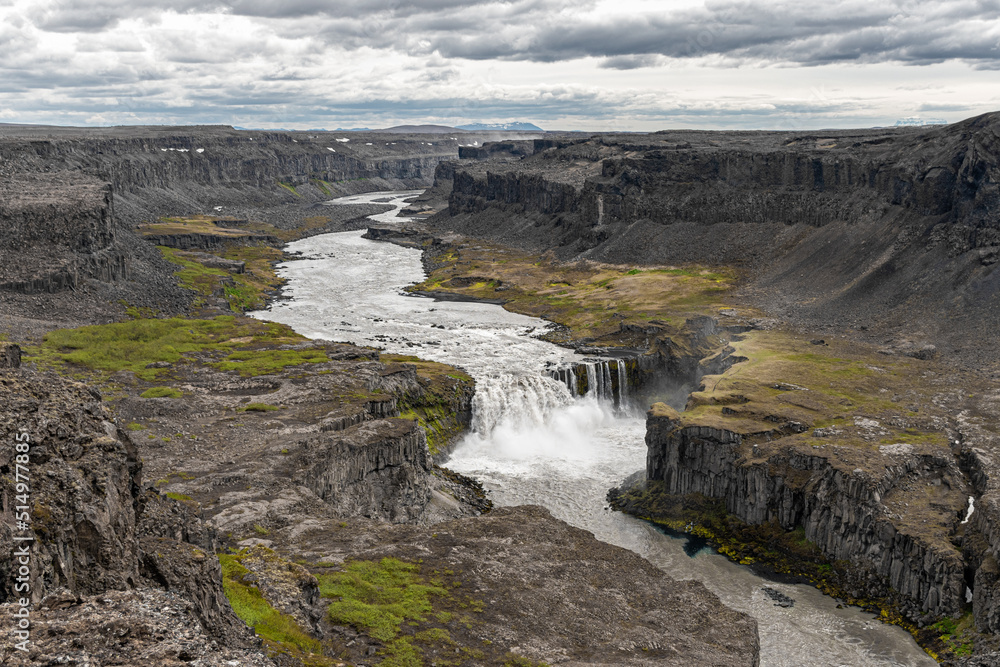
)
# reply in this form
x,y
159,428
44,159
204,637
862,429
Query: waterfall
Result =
x,y
622,386
601,381
591,380
516,400
522,417
609,393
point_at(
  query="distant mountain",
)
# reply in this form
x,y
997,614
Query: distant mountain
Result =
x,y
348,129
502,127
419,129
914,121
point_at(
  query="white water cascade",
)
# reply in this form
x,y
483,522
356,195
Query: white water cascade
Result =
x,y
536,440
603,384
623,386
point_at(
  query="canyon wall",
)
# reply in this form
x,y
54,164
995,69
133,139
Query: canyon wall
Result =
x,y
70,197
58,228
893,226
840,510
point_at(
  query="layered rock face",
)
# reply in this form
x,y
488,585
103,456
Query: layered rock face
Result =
x,y
848,513
69,197
57,229
378,468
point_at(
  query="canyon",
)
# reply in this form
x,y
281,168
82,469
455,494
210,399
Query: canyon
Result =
x,y
826,357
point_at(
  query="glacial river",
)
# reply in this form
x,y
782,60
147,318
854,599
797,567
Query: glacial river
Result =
x,y
535,443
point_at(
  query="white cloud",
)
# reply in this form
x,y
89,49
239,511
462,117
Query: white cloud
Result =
x,y
614,64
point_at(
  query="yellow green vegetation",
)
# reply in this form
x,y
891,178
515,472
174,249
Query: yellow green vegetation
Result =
x,y
437,408
193,275
281,634
258,407
323,186
593,300
513,660
135,426
216,226
225,342
950,638
390,601
244,291
377,597
194,224
865,397
180,497
289,187
161,392
249,289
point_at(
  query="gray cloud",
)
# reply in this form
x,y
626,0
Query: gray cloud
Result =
x,y
808,33
366,61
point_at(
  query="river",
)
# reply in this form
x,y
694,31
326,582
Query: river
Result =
x,y
533,442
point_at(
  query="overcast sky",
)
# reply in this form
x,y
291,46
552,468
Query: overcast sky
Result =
x,y
562,64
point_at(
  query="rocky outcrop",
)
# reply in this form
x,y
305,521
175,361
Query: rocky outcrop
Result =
x,y
207,241
194,574
81,480
58,229
532,587
10,355
144,626
377,469
72,509
848,514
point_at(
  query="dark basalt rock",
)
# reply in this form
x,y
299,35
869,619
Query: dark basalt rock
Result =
x,y
10,355
842,512
83,488
95,533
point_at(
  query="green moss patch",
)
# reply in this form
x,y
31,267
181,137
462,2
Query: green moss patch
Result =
x,y
281,634
135,344
390,601
258,407
289,187
263,362
161,392
193,275
378,596
950,638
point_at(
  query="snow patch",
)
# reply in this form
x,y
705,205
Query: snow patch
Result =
x,y
972,508
897,448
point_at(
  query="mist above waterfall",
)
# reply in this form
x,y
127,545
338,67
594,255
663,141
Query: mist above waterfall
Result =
x,y
525,418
